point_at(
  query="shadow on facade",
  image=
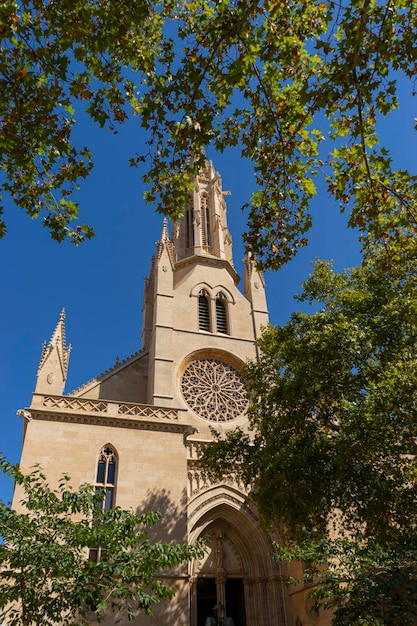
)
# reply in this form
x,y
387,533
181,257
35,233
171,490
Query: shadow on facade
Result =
x,y
173,527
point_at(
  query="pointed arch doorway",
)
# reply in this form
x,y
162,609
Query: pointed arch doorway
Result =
x,y
237,573
220,583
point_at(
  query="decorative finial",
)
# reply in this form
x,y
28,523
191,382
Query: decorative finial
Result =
x,y
165,236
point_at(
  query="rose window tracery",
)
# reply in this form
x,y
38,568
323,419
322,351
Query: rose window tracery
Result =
x,y
214,390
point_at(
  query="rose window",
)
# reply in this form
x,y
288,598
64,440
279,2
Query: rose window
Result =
x,y
214,390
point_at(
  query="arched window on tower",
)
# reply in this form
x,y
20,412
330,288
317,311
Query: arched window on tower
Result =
x,y
106,485
205,220
221,315
203,311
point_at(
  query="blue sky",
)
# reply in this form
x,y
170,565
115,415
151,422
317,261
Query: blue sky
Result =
x,y
100,284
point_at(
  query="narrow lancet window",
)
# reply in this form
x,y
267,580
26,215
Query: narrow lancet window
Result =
x,y
221,315
105,484
205,221
203,312
106,476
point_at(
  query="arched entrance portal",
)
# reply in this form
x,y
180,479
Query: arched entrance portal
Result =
x,y
237,576
219,581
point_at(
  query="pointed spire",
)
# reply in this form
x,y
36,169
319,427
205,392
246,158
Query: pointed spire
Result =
x,y
53,365
164,244
253,277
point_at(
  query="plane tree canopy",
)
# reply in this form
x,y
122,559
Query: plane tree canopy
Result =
x,y
331,459
275,79
47,577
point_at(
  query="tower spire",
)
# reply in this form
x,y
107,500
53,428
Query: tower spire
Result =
x,y
202,229
53,364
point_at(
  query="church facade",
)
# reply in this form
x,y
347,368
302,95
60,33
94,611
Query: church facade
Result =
x,y
136,430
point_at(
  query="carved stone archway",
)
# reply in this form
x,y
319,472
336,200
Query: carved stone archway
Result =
x,y
238,561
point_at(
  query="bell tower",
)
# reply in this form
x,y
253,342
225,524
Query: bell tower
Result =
x,y
154,411
192,303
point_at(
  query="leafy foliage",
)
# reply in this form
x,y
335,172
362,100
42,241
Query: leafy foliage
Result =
x,y
46,575
364,582
273,78
53,55
277,78
333,449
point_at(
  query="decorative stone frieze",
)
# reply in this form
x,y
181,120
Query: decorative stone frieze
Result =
x,y
86,405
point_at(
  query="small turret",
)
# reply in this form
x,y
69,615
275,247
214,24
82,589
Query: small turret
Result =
x,y
53,365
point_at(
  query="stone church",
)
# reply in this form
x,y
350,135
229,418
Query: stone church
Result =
x,y
136,429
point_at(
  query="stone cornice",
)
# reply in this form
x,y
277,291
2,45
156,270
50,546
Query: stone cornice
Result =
x,y
105,413
209,260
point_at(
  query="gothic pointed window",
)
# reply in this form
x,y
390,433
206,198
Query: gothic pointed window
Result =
x,y
105,485
106,476
203,311
221,315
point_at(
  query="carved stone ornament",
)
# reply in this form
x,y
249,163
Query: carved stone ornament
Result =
x,y
214,390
